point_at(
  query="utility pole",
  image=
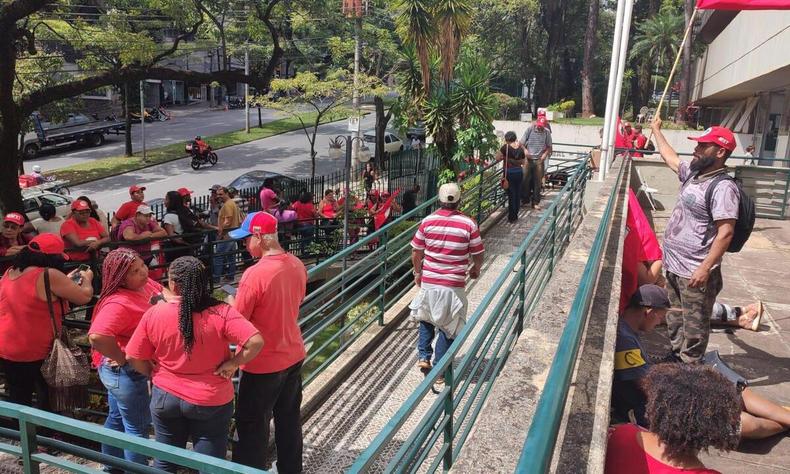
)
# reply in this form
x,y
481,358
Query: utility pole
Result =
x,y
247,90
142,116
356,10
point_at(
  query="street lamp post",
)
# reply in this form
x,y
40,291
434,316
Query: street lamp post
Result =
x,y
142,116
363,156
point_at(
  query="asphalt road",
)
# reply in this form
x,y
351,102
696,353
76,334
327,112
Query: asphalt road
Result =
x,y
287,154
183,127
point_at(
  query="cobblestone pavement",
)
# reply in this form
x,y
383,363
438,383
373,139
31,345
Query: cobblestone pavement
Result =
x,y
350,419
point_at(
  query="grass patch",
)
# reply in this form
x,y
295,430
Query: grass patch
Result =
x,y
580,121
115,165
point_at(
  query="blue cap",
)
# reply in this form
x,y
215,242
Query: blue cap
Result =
x,y
255,223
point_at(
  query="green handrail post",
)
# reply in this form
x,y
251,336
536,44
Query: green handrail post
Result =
x,y
480,194
383,273
448,412
522,292
787,190
570,214
27,438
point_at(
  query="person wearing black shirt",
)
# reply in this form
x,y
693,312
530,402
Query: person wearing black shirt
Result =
x,y
513,156
410,198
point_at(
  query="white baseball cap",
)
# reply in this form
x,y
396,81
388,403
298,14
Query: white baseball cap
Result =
x,y
144,210
449,192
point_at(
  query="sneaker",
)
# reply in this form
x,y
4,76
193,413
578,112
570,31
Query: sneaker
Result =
x,y
438,385
424,364
670,357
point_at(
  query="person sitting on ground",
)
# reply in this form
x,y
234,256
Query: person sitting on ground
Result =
x,y
129,208
142,227
51,221
83,234
183,345
690,408
126,294
12,241
328,207
648,307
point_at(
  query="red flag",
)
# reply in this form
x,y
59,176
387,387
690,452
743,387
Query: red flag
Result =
x,y
743,4
640,245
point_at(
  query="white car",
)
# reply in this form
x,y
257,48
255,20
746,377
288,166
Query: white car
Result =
x,y
33,199
392,143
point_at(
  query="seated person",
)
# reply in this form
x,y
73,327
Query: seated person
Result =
x,y
760,418
681,399
51,221
82,233
12,240
141,227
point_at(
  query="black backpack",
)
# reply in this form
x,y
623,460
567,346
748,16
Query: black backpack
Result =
x,y
746,212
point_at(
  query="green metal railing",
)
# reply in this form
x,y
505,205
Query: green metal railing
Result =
x,y
336,314
29,440
542,435
486,340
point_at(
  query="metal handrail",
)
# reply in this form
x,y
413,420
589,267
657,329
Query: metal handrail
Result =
x,y
542,435
499,319
31,419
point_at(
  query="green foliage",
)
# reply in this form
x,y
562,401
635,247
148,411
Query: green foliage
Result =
x,y
565,106
508,107
446,176
657,38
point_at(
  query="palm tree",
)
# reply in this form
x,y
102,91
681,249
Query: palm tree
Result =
x,y
658,37
454,18
414,24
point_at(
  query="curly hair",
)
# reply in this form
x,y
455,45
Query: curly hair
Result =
x,y
192,279
691,407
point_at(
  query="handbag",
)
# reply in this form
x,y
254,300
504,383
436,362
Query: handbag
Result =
x,y
504,183
66,370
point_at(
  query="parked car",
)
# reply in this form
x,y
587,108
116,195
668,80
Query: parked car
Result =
x,y
392,143
254,180
417,130
33,199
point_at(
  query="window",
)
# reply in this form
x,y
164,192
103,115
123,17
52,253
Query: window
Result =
x,y
31,205
54,199
388,138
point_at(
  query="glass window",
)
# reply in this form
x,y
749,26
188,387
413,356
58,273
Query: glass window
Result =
x,y
31,205
55,200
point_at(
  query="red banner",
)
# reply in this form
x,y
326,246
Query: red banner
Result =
x,y
743,4
640,246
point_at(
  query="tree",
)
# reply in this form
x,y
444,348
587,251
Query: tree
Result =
x,y
22,22
685,87
590,37
325,97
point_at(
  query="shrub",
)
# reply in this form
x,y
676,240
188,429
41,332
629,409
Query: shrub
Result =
x,y
563,106
508,107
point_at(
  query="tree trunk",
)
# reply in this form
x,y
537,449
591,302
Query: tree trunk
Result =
x,y
685,81
127,119
21,167
382,120
590,37
10,123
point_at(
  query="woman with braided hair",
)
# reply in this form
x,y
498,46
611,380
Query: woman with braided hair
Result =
x,y
126,294
184,345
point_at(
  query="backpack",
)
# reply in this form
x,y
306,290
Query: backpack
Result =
x,y
746,212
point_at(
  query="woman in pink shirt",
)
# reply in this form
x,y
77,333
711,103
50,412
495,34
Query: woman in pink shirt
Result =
x,y
126,294
183,344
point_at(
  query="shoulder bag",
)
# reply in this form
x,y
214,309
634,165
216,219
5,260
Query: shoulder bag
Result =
x,y
504,182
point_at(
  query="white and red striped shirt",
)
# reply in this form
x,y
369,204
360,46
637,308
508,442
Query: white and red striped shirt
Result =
x,y
448,238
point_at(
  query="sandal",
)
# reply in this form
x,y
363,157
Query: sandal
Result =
x,y
756,320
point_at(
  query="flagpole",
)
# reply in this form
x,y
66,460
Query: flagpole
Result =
x,y
610,117
677,60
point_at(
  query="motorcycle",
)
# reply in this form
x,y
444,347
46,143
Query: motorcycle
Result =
x,y
200,158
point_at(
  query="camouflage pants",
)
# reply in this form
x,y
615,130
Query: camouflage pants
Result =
x,y
689,328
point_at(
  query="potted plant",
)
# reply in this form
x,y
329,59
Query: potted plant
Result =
x,y
335,148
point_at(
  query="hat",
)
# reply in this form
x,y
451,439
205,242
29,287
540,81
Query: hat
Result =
x,y
255,223
652,296
184,191
49,244
215,187
144,210
36,169
15,217
541,112
135,188
542,121
449,192
80,205
719,135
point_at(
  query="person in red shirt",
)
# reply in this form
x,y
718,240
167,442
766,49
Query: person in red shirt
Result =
x,y
12,240
26,327
202,146
269,295
184,345
82,233
128,209
306,216
126,294
638,141
682,400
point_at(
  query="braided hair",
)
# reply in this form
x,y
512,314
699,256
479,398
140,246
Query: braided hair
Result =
x,y
192,279
114,269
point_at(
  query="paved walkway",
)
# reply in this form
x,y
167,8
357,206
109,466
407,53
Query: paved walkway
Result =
x,y
759,271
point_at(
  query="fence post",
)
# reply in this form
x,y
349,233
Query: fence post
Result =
x,y
480,196
383,272
553,231
29,442
448,412
570,215
210,265
522,295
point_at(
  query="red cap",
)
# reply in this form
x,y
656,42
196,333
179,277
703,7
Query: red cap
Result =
x,y
719,135
542,121
135,188
255,223
15,217
80,205
541,113
49,244
184,191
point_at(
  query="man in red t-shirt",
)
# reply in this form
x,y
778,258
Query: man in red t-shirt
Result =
x,y
82,233
129,208
269,295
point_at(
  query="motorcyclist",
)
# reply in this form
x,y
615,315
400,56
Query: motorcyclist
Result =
x,y
203,147
40,179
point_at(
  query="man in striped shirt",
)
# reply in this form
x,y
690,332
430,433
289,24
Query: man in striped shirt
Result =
x,y
537,147
445,245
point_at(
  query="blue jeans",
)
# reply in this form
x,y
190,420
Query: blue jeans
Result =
x,y
514,178
175,420
128,399
427,332
221,261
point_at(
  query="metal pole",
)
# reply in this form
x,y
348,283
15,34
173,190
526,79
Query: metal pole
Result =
x,y
247,90
629,8
608,116
142,116
357,58
348,190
